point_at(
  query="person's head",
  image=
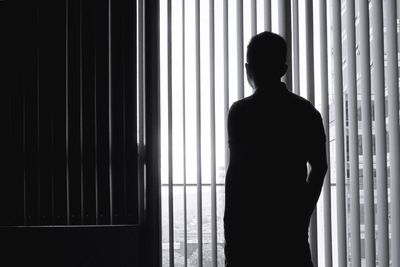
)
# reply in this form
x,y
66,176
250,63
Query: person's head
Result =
x,y
266,59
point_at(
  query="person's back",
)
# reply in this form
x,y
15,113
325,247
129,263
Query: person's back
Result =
x,y
272,135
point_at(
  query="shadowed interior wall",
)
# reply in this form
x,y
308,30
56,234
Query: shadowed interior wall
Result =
x,y
72,185
72,114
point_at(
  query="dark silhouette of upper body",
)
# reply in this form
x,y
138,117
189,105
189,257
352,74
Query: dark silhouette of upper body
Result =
x,y
270,192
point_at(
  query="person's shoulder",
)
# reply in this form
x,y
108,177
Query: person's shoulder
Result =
x,y
303,104
241,104
299,100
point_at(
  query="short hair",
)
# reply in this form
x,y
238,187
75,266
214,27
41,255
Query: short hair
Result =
x,y
266,52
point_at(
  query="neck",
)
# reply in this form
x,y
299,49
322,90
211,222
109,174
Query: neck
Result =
x,y
270,86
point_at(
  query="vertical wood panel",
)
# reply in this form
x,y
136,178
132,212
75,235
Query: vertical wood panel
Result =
x,y
152,229
102,111
4,103
122,100
117,111
140,117
31,119
58,86
131,212
88,112
48,65
14,178
58,112
74,112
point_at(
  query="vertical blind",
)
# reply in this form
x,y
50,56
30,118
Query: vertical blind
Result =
x,y
344,59
72,78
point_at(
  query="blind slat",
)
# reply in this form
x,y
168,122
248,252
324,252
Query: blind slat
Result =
x,y
353,135
240,52
253,9
378,83
325,117
311,97
226,75
213,168
366,125
267,15
285,30
393,129
295,48
185,230
339,134
198,136
170,140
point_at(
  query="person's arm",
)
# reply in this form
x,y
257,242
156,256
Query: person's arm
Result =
x,y
233,124
318,161
315,182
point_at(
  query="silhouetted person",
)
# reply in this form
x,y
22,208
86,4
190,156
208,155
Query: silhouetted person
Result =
x,y
270,194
